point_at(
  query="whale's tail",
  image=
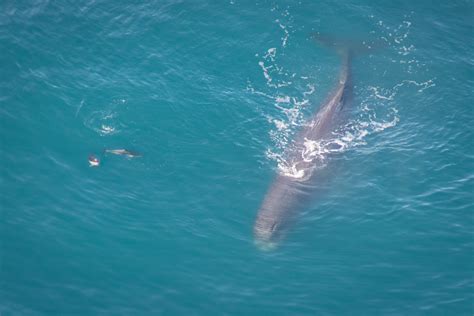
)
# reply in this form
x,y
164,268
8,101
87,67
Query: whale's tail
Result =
x,y
347,46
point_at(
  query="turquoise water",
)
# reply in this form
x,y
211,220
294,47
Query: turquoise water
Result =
x,y
211,93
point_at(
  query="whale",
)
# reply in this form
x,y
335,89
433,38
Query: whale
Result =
x,y
288,195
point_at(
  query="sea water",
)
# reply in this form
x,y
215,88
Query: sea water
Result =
x,y
211,93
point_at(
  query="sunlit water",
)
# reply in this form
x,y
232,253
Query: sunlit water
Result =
x,y
211,93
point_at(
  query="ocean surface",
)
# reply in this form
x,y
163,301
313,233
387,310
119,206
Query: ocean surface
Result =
x,y
211,93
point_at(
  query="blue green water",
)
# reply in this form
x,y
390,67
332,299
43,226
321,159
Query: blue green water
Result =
x,y
211,93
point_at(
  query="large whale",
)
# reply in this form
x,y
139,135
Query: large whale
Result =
x,y
287,195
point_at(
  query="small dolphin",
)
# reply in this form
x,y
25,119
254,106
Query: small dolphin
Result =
x,y
123,152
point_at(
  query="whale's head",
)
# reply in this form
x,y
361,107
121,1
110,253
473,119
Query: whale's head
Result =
x,y
276,212
267,231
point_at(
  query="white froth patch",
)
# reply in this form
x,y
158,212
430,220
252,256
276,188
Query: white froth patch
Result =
x,y
383,94
291,171
293,115
311,150
310,91
341,145
316,152
423,85
284,99
271,53
265,72
362,134
284,39
105,129
389,94
280,125
103,122
300,103
380,126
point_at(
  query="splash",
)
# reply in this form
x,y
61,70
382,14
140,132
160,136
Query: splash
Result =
x,y
106,121
107,130
314,154
375,113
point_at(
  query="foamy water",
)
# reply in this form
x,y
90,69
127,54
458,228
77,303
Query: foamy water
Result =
x,y
376,111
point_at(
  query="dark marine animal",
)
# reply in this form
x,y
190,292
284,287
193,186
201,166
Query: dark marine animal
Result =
x,y
288,195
